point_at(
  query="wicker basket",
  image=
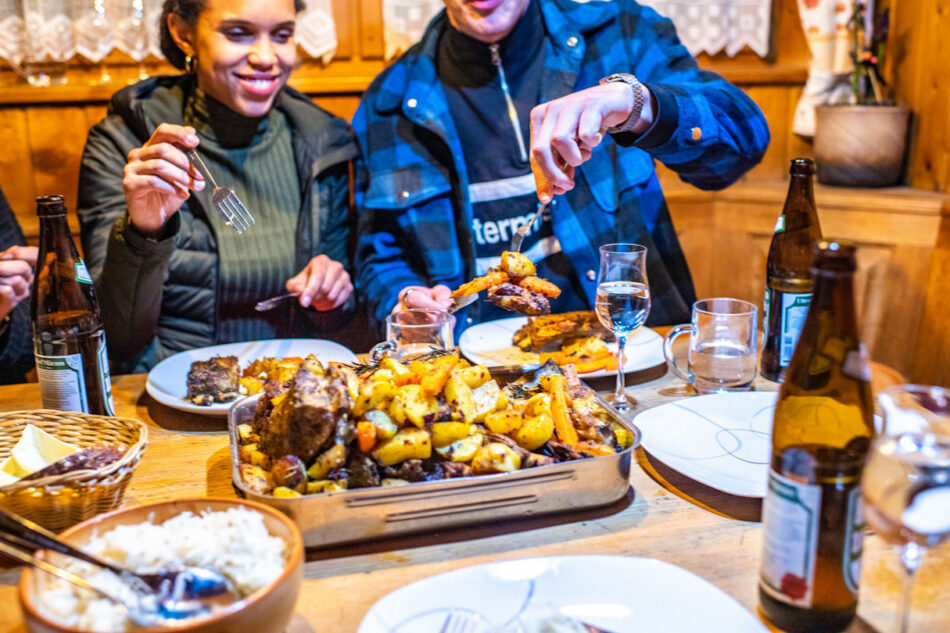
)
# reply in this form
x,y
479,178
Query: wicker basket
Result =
x,y
63,500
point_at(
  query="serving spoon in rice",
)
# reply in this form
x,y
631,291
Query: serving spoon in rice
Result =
x,y
171,595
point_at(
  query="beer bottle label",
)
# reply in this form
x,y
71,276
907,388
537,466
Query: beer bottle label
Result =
x,y
790,516
853,540
82,273
794,309
105,377
766,304
62,383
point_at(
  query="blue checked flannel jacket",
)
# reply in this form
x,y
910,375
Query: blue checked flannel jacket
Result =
x,y
412,189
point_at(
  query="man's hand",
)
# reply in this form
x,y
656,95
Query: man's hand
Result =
x,y
158,177
16,276
564,131
422,298
323,284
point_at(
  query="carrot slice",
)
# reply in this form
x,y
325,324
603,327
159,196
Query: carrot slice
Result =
x,y
541,286
366,435
563,425
481,283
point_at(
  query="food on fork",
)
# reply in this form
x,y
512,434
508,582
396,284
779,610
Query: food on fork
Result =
x,y
513,286
214,380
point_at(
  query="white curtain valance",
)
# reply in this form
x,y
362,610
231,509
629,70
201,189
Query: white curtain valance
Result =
x,y
716,26
710,26
56,30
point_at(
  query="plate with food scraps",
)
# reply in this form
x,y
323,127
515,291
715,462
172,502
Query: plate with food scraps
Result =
x,y
613,594
493,344
167,382
722,440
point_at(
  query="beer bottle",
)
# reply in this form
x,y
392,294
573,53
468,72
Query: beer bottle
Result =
x,y
821,433
68,337
788,279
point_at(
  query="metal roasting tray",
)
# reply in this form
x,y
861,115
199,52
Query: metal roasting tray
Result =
x,y
364,514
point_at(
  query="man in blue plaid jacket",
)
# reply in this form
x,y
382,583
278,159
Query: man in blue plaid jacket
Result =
x,y
446,176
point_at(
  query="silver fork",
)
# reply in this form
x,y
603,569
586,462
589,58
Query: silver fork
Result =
x,y
519,235
459,622
224,200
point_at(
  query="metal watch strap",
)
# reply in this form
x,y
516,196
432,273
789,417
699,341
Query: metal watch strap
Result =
x,y
638,100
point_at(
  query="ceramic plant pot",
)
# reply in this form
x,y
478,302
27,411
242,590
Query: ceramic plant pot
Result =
x,y
861,145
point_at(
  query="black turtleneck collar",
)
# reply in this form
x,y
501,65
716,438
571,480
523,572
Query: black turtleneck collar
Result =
x,y
219,123
458,51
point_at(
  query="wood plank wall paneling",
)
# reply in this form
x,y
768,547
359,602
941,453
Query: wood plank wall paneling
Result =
x,y
917,69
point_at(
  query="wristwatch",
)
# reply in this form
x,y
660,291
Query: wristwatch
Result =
x,y
638,100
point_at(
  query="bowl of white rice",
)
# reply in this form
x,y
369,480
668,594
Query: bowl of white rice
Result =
x,y
257,548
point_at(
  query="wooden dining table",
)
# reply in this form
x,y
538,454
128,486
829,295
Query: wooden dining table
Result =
x,y
664,515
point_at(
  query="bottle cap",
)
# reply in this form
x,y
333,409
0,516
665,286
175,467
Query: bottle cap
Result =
x,y
835,255
805,166
47,206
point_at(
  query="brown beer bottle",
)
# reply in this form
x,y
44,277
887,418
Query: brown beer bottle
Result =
x,y
788,277
68,337
812,519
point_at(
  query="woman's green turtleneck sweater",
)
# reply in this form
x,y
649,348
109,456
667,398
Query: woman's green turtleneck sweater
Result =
x,y
254,157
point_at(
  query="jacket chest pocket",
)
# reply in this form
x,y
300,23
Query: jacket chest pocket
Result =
x,y
419,195
613,169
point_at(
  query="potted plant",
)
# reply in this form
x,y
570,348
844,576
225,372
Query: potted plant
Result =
x,y
862,142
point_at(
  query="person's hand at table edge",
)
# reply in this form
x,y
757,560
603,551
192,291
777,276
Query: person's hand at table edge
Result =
x,y
323,284
423,298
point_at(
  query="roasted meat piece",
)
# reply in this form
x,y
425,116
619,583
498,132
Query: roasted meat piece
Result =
x,y
518,299
306,416
559,327
214,380
92,458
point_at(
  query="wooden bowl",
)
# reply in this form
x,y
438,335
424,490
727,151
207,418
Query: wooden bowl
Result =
x,y
267,610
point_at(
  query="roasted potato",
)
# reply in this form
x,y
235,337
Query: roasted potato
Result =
x,y
374,394
325,485
246,434
385,427
504,422
250,454
462,450
534,432
488,397
410,404
286,493
406,444
517,264
333,457
256,479
495,458
475,376
444,433
459,396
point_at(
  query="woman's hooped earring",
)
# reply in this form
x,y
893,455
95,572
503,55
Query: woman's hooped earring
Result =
x,y
190,64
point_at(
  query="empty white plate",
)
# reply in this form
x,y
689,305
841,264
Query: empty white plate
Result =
x,y
166,381
722,440
620,594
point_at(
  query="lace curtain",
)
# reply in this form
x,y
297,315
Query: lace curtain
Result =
x,y
710,26
56,30
715,26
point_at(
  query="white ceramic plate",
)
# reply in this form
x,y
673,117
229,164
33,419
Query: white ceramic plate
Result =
x,y
620,594
166,381
490,344
722,440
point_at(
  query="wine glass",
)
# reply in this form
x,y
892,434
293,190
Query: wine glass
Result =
x,y
906,484
623,301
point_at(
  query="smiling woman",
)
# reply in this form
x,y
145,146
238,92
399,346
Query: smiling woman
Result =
x,y
161,257
241,51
